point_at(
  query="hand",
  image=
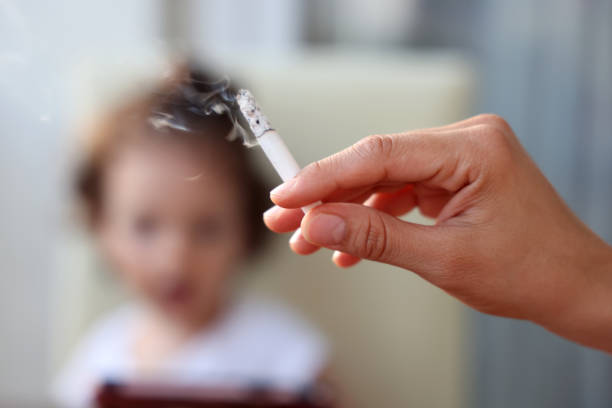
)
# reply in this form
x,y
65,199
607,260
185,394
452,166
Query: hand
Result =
x,y
504,242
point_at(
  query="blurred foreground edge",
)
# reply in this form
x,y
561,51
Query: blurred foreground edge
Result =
x,y
149,395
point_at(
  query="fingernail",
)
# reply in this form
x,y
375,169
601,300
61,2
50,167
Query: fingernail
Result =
x,y
336,255
283,188
271,212
326,229
296,236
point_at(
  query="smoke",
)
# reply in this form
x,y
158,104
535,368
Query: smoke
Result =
x,y
207,98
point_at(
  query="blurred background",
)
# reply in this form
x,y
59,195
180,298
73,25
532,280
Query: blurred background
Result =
x,y
327,72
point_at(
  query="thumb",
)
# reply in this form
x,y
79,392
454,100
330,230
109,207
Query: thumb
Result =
x,y
368,233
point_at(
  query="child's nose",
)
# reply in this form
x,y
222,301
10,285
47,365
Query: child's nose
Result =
x,y
173,255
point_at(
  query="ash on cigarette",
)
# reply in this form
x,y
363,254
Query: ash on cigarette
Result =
x,y
258,122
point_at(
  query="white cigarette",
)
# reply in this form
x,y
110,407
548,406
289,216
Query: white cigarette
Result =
x,y
270,141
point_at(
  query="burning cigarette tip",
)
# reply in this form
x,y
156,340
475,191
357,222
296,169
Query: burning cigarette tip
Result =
x,y
258,122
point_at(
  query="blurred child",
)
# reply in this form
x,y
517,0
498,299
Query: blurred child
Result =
x,y
177,210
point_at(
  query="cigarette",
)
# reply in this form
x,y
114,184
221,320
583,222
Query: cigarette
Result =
x,y
270,141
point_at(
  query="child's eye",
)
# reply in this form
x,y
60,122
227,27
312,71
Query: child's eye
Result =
x,y
145,226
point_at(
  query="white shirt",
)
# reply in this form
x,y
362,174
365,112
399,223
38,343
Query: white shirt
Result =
x,y
255,342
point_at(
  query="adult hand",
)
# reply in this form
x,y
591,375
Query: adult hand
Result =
x,y
503,242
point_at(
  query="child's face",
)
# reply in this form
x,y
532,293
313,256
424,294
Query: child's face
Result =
x,y
172,225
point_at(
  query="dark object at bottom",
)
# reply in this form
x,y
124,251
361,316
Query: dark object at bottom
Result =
x,y
114,395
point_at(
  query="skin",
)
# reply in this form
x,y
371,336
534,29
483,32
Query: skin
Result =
x,y
504,242
173,243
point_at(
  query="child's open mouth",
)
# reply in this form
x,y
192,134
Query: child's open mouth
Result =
x,y
177,295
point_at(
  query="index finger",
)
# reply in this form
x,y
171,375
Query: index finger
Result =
x,y
422,156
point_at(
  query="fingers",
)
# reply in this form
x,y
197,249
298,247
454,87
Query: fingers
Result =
x,y
394,174
300,246
439,156
396,203
283,220
377,160
367,233
482,119
344,260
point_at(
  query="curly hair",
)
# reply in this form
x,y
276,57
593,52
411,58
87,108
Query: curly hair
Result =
x,y
131,120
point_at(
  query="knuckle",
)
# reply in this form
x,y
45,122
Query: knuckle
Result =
x,y
318,166
496,121
492,139
496,137
314,168
373,238
375,145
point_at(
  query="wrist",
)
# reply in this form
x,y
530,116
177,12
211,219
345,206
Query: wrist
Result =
x,y
583,303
